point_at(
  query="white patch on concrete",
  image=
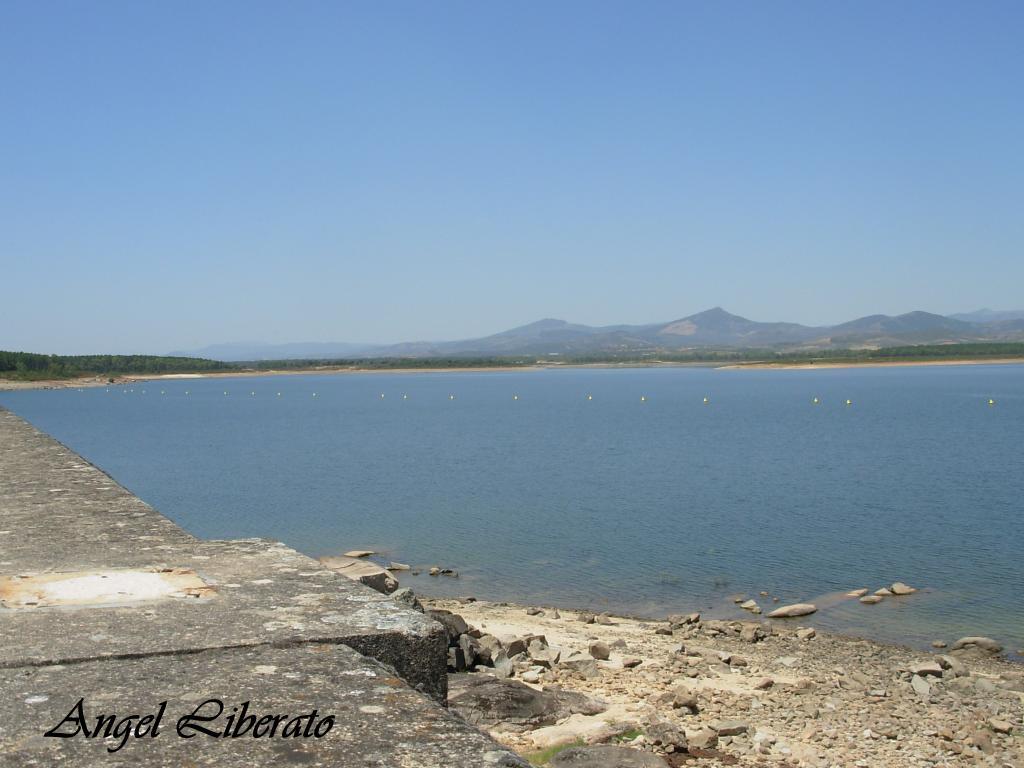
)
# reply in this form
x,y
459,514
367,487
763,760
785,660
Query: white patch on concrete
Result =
x,y
107,587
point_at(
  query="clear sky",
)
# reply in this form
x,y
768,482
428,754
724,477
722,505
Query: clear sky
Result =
x,y
182,173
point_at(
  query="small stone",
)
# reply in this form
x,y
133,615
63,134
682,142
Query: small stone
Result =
x,y
1000,726
938,643
752,633
604,619
392,566
359,553
805,633
871,599
921,687
683,698
534,612
665,735
856,593
586,618
983,741
599,651
925,668
731,728
629,662
502,666
705,738
434,571
883,592
764,684
899,588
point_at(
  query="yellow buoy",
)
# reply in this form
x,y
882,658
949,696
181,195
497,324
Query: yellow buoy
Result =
x,y
849,402
314,394
991,401
225,391
706,401
815,401
515,397
590,397
451,397
186,392
643,398
405,397
278,394
381,395
252,394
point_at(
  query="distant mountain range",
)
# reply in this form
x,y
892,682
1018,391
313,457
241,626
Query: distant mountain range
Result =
x,y
711,329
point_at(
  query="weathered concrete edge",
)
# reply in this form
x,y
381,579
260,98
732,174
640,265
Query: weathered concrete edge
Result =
x,y
419,660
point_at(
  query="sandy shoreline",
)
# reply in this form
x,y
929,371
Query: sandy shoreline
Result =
x,y
752,692
102,381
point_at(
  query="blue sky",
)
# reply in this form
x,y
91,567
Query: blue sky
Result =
x,y
177,174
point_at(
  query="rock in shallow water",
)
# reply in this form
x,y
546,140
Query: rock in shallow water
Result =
x,y
792,611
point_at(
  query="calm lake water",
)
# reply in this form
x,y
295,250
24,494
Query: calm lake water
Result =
x,y
615,503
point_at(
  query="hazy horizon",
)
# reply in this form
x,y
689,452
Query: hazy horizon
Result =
x,y
181,176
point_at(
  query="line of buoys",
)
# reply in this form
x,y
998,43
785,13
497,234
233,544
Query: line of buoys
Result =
x,y
515,396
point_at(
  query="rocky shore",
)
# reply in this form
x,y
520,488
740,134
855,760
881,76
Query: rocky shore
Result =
x,y
574,688
567,688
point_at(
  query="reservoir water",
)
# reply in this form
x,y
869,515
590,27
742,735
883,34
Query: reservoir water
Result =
x,y
611,489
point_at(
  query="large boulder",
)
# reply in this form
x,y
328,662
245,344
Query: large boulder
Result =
x,y
363,571
606,756
792,611
488,701
454,625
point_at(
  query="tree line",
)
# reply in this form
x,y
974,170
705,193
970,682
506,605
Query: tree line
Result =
x,y
29,365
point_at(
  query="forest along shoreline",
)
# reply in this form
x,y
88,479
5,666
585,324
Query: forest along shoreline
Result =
x,y
574,688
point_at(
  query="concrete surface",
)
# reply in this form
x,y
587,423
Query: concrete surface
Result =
x,y
261,605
